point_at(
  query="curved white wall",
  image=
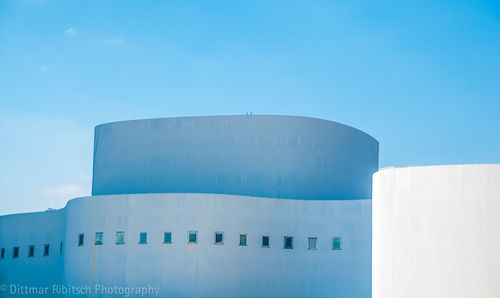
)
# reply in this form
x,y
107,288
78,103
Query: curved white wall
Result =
x,y
286,157
196,270
258,175
38,229
229,270
435,232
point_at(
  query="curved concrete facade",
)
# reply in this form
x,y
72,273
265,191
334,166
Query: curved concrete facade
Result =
x,y
180,269
299,184
266,156
228,270
22,231
435,232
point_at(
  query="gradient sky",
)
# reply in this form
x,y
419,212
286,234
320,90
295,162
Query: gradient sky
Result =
x,y
422,77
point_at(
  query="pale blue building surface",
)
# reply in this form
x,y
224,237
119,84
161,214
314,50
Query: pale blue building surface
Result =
x,y
265,156
219,206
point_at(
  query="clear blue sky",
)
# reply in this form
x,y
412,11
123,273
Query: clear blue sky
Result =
x,y
423,77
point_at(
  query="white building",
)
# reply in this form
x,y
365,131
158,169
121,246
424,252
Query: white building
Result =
x,y
435,232
258,206
229,206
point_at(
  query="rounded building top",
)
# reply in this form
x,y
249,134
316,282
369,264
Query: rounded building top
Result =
x,y
268,156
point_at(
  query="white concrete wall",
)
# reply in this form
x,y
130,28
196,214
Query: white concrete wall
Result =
x,y
28,229
208,270
203,269
435,232
265,156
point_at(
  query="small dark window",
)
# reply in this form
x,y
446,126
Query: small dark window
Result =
x,y
143,238
31,251
61,248
3,253
311,242
337,243
192,237
15,252
265,241
46,249
219,238
120,238
288,242
167,237
243,239
98,238
81,238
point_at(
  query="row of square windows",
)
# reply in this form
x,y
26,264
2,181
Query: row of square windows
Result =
x,y
167,239
31,251
192,238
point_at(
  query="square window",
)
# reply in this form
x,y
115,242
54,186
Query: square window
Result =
x,y
15,252
219,238
31,251
143,238
98,238
265,241
243,239
46,249
3,253
311,242
167,237
337,243
120,237
192,237
288,242
81,237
